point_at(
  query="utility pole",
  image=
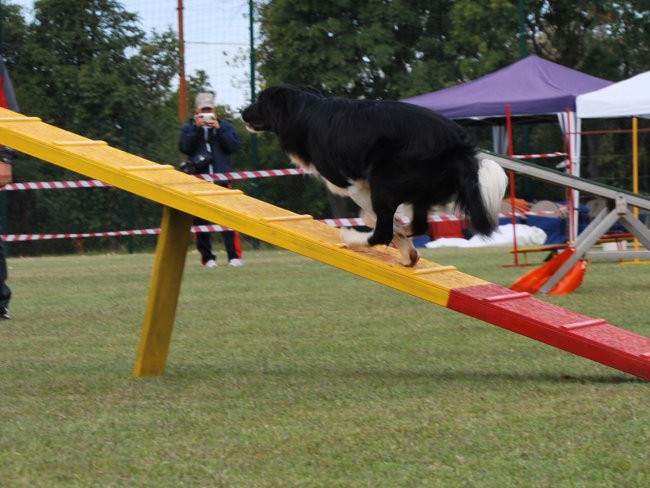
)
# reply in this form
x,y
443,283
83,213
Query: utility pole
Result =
x,y
255,161
251,28
522,29
182,84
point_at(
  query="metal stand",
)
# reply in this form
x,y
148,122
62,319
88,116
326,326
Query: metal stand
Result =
x,y
617,210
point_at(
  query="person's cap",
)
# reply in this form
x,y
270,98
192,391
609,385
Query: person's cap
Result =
x,y
204,100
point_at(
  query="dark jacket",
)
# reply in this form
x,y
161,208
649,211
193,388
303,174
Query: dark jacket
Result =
x,y
223,142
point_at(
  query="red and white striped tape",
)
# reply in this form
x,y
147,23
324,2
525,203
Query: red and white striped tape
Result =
x,y
539,156
45,237
147,232
345,222
229,176
53,185
246,175
114,233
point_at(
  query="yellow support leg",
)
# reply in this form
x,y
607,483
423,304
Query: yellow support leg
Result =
x,y
163,293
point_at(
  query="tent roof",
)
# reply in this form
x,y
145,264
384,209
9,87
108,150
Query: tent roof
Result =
x,y
626,98
531,86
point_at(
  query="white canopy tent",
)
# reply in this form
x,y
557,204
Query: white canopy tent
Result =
x,y
627,98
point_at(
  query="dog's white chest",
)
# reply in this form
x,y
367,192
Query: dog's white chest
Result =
x,y
301,163
337,190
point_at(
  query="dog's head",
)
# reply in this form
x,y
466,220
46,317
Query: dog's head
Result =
x,y
274,105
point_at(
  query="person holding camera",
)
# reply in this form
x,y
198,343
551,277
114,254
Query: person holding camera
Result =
x,y
208,142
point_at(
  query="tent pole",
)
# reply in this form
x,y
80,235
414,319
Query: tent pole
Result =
x,y
572,234
511,151
635,169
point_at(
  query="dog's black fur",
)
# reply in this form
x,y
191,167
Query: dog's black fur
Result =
x,y
401,152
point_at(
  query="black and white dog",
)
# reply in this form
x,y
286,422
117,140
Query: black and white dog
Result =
x,y
382,154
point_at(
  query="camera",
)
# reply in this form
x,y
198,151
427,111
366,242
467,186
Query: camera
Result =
x,y
7,155
187,167
209,117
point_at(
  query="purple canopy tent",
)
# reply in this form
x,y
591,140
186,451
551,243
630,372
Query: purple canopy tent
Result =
x,y
532,87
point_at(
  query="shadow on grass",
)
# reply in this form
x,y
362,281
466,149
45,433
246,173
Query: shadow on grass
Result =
x,y
197,372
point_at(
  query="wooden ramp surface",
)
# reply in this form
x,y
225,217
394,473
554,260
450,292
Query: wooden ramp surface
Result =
x,y
440,284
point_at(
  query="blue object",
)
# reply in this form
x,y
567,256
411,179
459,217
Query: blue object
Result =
x,y
420,241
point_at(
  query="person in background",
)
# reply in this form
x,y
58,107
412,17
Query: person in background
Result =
x,y
7,156
209,141
5,291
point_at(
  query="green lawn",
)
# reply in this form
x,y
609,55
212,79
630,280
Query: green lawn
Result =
x,y
289,373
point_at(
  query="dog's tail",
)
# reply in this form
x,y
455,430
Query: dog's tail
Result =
x,y
481,195
492,182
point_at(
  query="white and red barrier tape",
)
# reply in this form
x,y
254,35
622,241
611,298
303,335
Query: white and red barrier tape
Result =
x,y
229,176
147,232
539,156
346,222
245,175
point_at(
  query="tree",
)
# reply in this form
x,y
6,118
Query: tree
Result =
x,y
86,66
610,39
354,47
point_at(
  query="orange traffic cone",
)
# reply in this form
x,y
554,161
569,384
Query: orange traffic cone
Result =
x,y
532,281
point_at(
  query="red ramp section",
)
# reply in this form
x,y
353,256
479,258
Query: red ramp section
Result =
x,y
520,312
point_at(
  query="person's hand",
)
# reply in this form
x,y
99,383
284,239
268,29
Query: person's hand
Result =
x,y
214,123
198,120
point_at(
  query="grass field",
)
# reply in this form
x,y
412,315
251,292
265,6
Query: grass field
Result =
x,y
288,373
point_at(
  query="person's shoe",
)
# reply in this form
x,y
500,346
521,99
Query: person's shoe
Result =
x,y
235,263
210,263
4,313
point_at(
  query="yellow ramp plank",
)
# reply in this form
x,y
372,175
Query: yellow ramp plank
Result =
x,y
231,208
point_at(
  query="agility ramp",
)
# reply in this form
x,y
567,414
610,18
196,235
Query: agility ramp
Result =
x,y
184,196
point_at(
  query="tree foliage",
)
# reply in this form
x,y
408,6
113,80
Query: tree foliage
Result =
x,y
355,47
398,48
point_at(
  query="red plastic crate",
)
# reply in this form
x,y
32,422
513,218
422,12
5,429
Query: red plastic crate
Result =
x,y
446,228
